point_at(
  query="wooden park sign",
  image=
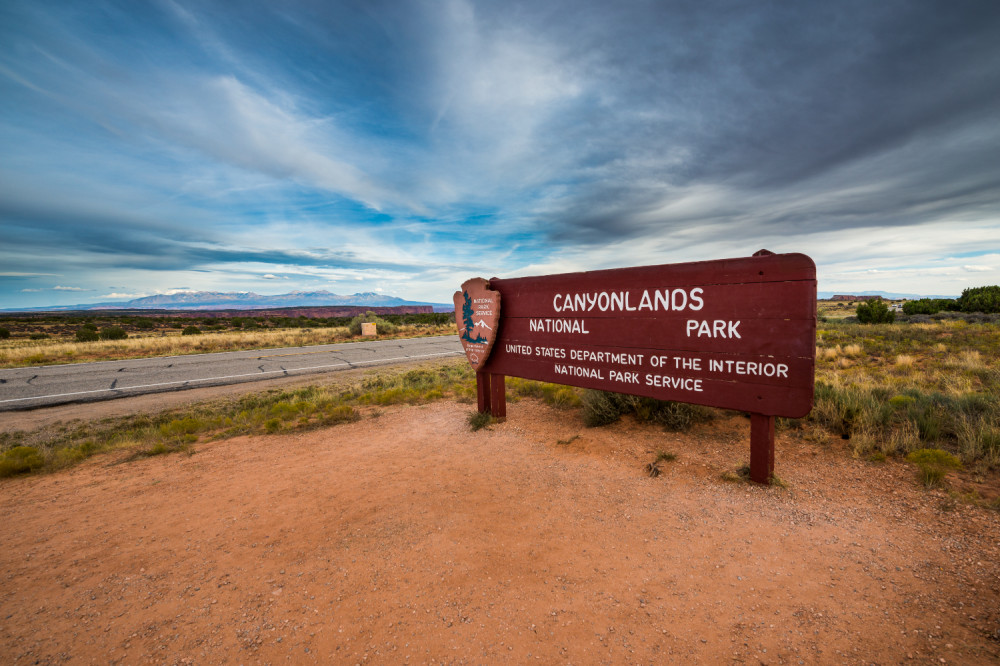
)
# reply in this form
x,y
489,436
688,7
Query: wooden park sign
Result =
x,y
732,333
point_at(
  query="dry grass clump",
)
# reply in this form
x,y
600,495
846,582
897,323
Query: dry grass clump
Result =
x,y
968,359
828,353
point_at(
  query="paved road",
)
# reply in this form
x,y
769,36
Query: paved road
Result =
x,y
28,388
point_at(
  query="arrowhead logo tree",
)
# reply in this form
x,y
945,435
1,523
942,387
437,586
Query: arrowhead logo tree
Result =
x,y
477,311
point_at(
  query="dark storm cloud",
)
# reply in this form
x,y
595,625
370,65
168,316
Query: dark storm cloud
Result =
x,y
782,96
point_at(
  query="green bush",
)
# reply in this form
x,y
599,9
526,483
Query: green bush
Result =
x,y
480,420
144,324
113,333
86,334
934,465
928,306
875,311
38,336
191,330
980,299
19,460
4,333
604,407
601,408
383,326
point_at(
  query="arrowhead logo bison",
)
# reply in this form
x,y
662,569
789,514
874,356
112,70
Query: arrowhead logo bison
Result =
x,y
477,312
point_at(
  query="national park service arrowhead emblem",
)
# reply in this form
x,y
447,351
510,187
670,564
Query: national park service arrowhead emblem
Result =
x,y
477,314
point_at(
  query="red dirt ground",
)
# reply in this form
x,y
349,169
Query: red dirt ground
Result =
x,y
406,538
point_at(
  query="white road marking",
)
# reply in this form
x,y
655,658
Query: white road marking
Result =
x,y
248,374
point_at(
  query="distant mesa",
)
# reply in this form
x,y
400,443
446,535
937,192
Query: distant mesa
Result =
x,y
848,297
868,295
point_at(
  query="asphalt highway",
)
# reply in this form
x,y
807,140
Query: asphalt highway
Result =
x,y
29,388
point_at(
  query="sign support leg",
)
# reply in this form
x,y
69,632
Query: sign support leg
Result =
x,y
761,448
483,392
498,396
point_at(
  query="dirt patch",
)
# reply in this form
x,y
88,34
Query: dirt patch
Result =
x,y
406,538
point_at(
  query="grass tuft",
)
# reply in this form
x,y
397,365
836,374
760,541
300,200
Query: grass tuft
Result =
x,y
934,465
478,420
20,460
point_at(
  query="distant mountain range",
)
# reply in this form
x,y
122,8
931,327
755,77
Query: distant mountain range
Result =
x,y
248,300
243,300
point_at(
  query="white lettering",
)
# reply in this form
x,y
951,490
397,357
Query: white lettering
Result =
x,y
666,381
695,296
719,328
645,302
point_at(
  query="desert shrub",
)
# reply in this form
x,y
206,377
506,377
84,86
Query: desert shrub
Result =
x,y
604,407
39,336
557,395
340,414
383,326
86,334
601,408
980,299
875,311
19,460
934,465
480,420
191,330
113,333
4,333
144,324
928,306
179,428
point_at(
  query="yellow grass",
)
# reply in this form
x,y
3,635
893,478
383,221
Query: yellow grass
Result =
x,y
852,350
18,353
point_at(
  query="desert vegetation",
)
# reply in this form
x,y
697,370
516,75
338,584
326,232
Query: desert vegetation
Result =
x,y
918,392
894,389
51,339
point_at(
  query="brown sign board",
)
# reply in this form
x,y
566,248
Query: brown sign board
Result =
x,y
732,333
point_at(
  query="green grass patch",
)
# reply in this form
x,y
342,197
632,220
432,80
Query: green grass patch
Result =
x,y
478,420
934,465
557,395
20,460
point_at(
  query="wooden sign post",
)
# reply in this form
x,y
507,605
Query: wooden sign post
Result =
x,y
733,333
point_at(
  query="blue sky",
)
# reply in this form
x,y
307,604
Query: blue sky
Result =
x,y
403,147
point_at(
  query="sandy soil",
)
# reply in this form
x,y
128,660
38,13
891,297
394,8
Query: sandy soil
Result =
x,y
406,538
